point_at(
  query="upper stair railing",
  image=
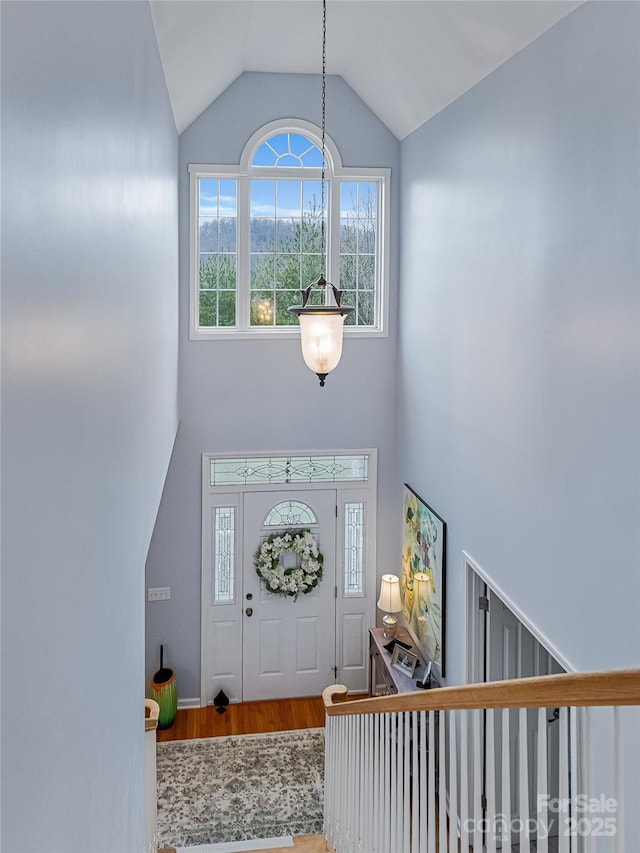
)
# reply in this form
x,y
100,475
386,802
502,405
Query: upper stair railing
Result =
x,y
522,765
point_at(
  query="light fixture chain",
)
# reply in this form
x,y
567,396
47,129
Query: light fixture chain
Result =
x,y
320,332
324,117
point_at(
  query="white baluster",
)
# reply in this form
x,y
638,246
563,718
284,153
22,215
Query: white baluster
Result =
x,y
490,781
363,782
477,781
354,783
587,768
523,792
357,777
464,782
359,770
453,784
618,790
415,804
342,790
406,819
340,776
399,782
564,816
424,791
573,771
442,781
386,837
372,808
375,784
367,844
393,794
542,788
431,798
348,788
339,779
506,784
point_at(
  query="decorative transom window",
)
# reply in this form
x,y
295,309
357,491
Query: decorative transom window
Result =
x,y
260,470
256,236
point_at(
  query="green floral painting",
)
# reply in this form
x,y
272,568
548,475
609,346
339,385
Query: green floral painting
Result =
x,y
423,576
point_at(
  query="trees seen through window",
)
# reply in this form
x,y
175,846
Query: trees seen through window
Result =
x,y
260,239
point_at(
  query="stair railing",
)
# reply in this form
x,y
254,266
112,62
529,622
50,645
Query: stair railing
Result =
x,y
503,766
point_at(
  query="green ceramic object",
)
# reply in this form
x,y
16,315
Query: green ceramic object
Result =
x,y
163,690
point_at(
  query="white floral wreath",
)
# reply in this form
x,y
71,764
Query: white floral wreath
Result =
x,y
298,580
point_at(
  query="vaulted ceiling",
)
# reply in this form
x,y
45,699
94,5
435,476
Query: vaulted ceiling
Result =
x,y
407,59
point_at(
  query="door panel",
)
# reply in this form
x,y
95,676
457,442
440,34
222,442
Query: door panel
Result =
x,y
307,645
288,645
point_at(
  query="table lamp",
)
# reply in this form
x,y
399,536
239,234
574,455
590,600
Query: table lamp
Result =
x,y
390,603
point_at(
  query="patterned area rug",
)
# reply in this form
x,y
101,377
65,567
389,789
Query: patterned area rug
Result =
x,y
244,786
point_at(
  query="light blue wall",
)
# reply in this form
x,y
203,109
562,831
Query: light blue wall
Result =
x,y
519,334
258,395
89,411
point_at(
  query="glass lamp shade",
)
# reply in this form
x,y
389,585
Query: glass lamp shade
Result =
x,y
321,331
321,328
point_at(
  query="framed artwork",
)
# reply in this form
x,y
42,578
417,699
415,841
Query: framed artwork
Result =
x,y
422,584
404,660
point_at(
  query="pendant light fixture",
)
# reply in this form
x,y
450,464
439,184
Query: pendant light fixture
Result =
x,y
322,326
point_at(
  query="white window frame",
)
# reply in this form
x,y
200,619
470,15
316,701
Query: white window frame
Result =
x,y
335,175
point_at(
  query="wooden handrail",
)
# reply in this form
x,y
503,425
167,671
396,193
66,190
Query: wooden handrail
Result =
x,y
615,687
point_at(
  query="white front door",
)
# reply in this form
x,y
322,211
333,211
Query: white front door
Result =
x,y
289,646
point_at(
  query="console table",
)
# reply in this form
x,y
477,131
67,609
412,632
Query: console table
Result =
x,y
380,669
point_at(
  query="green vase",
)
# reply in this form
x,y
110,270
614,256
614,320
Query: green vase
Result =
x,y
163,690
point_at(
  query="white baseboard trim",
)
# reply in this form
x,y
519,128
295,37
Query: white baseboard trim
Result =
x,y
189,703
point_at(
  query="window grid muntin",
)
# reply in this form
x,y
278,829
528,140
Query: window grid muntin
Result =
x,y
353,549
289,514
269,470
224,554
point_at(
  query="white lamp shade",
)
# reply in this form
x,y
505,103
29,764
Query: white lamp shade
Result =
x,y
389,600
422,584
321,339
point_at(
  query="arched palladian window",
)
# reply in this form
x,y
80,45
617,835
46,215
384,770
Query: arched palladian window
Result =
x,y
257,235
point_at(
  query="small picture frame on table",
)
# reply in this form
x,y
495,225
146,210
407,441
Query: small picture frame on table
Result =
x,y
404,660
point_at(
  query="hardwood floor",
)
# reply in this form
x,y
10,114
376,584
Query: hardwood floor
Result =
x,y
301,844
246,718
275,715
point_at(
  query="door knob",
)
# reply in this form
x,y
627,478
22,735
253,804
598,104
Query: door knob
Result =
x,y
249,596
249,611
